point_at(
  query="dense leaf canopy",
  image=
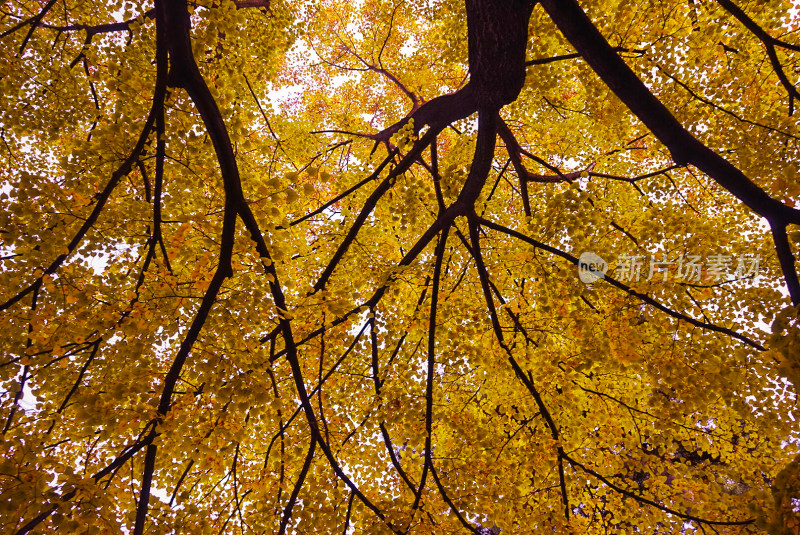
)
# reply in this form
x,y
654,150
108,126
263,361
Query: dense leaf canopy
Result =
x,y
337,267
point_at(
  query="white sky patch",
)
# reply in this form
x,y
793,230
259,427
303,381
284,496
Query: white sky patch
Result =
x,y
355,31
341,79
409,47
283,96
28,401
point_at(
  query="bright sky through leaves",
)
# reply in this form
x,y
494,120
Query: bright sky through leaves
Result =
x,y
284,267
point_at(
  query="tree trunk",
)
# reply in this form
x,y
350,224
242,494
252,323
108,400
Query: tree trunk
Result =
x,y
497,37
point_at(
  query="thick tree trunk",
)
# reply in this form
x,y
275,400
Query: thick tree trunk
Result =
x,y
497,36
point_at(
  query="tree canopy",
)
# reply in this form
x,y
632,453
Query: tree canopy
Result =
x,y
399,267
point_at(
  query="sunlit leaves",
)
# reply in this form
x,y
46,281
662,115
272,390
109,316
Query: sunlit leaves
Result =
x,y
621,416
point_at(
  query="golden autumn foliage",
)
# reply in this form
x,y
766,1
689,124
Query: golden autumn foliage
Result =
x,y
399,267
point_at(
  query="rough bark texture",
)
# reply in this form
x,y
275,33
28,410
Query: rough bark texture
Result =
x,y
497,38
497,35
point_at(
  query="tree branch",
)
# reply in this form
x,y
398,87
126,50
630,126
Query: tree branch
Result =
x,y
651,503
769,43
287,511
643,297
685,148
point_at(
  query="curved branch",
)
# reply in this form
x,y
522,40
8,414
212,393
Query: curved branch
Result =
x,y
102,197
697,96
642,499
374,176
34,21
561,57
449,502
685,148
437,274
172,35
121,459
770,43
369,206
373,333
786,259
483,275
287,511
643,297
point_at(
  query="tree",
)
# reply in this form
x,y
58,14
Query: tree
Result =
x,y
410,267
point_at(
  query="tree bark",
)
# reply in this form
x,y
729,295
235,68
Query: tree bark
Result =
x,y
497,37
